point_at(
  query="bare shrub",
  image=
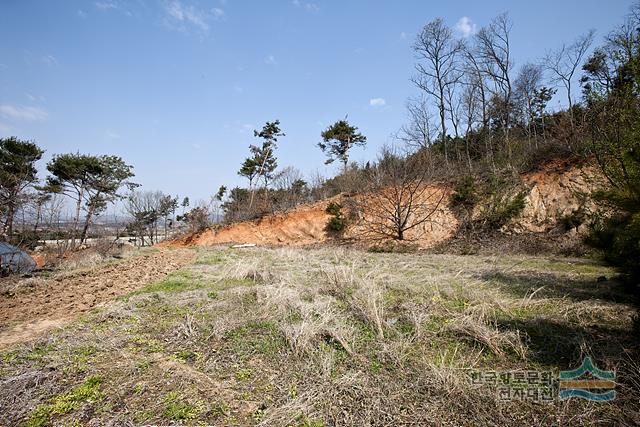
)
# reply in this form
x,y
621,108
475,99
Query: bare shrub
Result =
x,y
399,197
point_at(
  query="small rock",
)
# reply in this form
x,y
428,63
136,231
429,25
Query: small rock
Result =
x,y
89,298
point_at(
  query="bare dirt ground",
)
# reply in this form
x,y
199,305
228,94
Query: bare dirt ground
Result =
x,y
32,306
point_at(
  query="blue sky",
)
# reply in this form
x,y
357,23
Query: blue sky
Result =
x,y
177,87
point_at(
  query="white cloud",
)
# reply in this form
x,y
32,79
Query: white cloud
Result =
x,y
403,35
82,13
112,135
179,16
270,60
247,127
30,97
217,13
18,112
312,7
465,27
377,102
50,60
308,6
105,5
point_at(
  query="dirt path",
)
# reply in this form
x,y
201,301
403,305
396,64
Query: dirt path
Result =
x,y
51,302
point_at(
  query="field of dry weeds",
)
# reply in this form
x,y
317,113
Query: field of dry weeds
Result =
x,y
331,337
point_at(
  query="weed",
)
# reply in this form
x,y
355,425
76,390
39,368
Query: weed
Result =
x,y
89,391
187,356
304,421
178,281
178,410
221,409
243,374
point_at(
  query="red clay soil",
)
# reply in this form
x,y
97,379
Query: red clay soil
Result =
x,y
301,226
39,304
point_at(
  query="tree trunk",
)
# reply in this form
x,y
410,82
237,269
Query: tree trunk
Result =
x,y
87,223
8,226
443,127
38,218
76,219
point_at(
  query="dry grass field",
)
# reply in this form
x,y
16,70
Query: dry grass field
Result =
x,y
331,337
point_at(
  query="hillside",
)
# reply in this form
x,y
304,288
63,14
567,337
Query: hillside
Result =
x,y
553,191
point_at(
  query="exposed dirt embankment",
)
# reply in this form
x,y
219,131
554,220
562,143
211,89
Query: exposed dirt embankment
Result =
x,y
555,190
304,225
39,304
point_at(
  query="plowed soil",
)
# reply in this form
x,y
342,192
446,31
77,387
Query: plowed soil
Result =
x,y
39,304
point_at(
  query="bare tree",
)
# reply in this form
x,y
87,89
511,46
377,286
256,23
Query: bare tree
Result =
x,y
399,198
145,208
290,188
564,62
453,105
437,53
476,78
493,51
527,85
419,132
470,106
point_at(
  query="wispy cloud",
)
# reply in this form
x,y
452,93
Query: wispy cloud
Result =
x,y
377,102
180,16
112,135
18,112
246,128
50,60
403,35
105,5
217,13
465,27
270,60
308,6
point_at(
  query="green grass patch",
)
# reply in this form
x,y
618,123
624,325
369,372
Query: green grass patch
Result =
x,y
88,391
179,281
187,356
256,337
177,409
